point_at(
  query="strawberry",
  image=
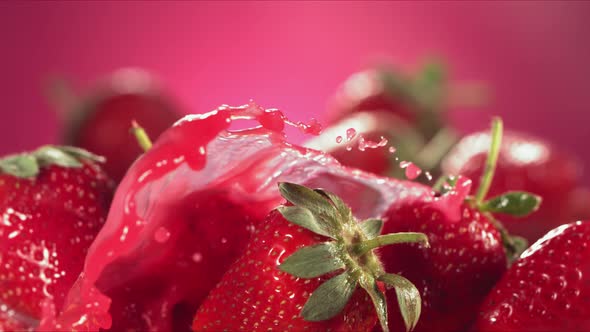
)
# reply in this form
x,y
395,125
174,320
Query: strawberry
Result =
x,y
530,164
409,96
53,201
382,105
547,289
100,122
467,254
309,267
185,212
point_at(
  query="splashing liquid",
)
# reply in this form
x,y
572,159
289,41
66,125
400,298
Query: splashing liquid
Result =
x,y
210,203
364,144
411,170
350,134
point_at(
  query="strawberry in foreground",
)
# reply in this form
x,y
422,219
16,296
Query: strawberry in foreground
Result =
x,y
530,164
469,247
310,266
53,202
547,289
100,121
185,211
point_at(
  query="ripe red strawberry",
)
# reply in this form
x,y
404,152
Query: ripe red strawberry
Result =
x,y
100,122
467,254
547,289
525,163
53,201
302,271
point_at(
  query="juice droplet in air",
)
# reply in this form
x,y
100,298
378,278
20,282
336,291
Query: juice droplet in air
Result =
x,y
162,235
272,119
428,176
313,127
350,134
363,144
338,139
412,171
391,149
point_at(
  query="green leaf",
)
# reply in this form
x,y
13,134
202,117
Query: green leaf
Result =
x,y
304,218
81,153
50,155
315,202
378,299
388,239
22,165
372,227
313,261
514,245
339,204
514,203
408,298
329,298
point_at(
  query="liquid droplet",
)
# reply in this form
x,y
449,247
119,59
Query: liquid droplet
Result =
x,y
338,139
350,134
313,127
428,176
349,148
162,235
412,171
364,144
391,149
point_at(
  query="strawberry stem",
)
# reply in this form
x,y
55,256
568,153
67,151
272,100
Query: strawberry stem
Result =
x,y
141,136
387,239
492,159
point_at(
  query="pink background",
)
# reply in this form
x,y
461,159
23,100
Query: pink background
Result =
x,y
292,56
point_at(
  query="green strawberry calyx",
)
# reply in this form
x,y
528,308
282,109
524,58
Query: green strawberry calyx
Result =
x,y
29,164
514,203
349,251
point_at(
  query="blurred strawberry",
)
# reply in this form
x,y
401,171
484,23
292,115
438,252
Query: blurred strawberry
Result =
x,y
53,202
384,105
530,164
415,98
100,121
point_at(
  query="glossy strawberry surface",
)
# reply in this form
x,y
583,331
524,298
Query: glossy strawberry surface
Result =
x,y
525,163
47,223
547,289
465,259
102,121
254,295
163,220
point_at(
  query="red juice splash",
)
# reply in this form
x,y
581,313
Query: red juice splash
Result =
x,y
412,171
350,134
364,144
185,210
